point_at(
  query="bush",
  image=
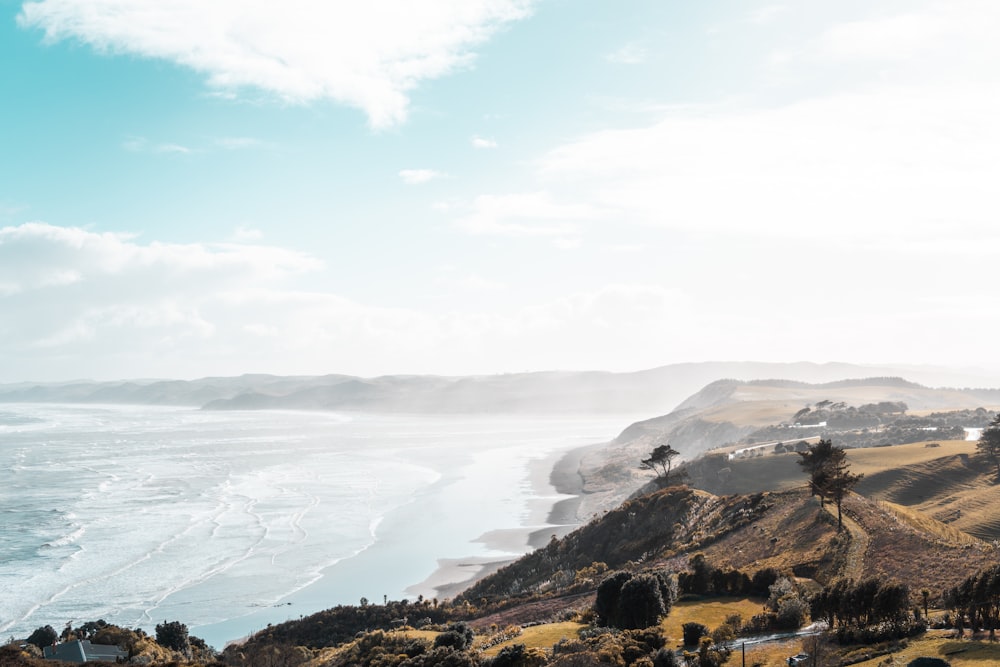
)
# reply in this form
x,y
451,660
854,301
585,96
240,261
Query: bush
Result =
x,y
173,635
792,611
458,636
43,636
693,632
640,604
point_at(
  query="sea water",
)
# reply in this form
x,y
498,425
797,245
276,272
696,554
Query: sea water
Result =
x,y
227,521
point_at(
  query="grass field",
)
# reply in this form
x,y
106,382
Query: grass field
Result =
x,y
958,652
710,613
541,636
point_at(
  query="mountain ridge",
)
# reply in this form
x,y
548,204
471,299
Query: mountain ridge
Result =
x,y
656,391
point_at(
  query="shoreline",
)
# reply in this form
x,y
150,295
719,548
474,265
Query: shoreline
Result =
x,y
556,476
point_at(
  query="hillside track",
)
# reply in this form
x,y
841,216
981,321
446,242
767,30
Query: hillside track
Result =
x,y
857,548
898,550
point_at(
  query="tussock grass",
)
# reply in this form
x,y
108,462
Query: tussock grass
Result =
x,y
929,525
541,636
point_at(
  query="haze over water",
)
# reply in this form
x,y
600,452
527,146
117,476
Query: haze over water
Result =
x,y
222,520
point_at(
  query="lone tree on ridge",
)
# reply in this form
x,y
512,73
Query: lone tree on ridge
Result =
x,y
660,461
829,474
989,442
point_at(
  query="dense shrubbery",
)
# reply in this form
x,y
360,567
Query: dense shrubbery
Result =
x,y
703,579
341,623
633,601
867,612
976,601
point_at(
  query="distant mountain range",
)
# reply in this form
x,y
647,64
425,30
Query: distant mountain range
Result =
x,y
654,391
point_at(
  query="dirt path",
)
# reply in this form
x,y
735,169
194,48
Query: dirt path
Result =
x,y
857,548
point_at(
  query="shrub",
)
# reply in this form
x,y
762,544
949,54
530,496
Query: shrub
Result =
x,y
43,636
458,636
693,632
173,635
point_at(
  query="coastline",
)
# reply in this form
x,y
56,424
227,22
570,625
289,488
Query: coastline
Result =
x,y
559,487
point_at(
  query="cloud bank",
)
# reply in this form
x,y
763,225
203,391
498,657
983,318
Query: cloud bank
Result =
x,y
367,55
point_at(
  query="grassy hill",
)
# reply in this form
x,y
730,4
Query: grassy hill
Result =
x,y
948,482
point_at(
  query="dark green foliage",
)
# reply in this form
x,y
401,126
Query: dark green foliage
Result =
x,y
704,579
43,636
693,632
510,656
829,474
339,624
441,656
976,601
989,443
608,595
864,604
700,578
640,604
928,662
633,601
173,635
760,584
666,657
457,636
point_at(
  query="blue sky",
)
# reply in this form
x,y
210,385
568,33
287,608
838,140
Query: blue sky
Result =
x,y
481,186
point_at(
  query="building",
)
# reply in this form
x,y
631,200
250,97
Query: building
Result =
x,y
81,650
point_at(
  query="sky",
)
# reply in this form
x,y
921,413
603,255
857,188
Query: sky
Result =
x,y
193,188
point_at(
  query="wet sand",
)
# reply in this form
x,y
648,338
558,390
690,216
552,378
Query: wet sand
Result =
x,y
554,513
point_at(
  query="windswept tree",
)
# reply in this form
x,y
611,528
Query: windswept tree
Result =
x,y
816,461
830,476
660,461
989,442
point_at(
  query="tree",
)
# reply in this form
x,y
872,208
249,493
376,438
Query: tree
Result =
x,y
43,636
458,636
640,603
633,601
660,461
829,474
815,460
989,442
608,594
839,482
173,635
693,632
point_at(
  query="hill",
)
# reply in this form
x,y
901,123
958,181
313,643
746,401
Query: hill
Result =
x,y
727,416
653,391
786,530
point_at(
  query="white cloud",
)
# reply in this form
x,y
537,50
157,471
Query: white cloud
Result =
x,y
367,55
527,214
871,163
143,145
567,244
419,176
237,143
630,54
245,234
483,142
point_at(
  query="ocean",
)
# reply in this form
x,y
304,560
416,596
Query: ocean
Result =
x,y
228,521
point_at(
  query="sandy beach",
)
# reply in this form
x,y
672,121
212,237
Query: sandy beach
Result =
x,y
559,486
